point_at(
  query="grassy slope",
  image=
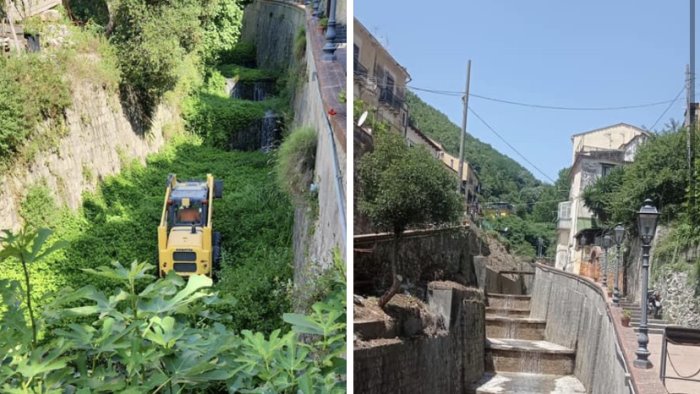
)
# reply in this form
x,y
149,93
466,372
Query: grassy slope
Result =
x,y
119,223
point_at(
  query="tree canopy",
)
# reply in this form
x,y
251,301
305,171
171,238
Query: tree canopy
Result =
x,y
401,186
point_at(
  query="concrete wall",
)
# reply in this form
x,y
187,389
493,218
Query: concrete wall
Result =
x,y
424,255
441,364
272,25
578,317
98,133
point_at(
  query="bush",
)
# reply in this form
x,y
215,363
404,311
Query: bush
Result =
x,y
296,160
244,54
21,108
245,74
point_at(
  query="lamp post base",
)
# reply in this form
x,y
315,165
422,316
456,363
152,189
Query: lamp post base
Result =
x,y
642,364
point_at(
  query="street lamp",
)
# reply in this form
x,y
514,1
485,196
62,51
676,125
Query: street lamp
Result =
x,y
607,242
329,47
646,220
619,235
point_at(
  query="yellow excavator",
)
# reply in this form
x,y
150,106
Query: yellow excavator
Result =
x,y
186,242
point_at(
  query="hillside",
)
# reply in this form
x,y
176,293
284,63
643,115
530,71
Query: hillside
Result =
x,y
501,177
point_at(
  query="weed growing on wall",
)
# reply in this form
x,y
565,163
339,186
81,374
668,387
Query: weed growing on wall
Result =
x,y
296,160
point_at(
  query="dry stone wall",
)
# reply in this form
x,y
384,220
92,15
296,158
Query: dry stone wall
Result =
x,y
680,296
99,139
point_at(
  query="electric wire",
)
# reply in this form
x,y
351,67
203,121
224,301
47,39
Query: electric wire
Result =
x,y
667,108
488,126
542,106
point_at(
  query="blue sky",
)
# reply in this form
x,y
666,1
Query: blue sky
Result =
x,y
596,53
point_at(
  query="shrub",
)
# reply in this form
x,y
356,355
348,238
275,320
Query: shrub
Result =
x,y
21,108
243,54
246,74
300,44
296,160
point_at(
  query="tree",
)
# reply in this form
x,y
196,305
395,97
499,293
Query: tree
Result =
x,y
401,187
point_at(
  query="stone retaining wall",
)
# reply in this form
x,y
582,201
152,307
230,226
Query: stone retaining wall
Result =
x,y
441,364
578,317
424,255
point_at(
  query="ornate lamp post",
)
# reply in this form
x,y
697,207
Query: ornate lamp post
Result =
x,y
619,235
329,47
607,242
646,220
315,12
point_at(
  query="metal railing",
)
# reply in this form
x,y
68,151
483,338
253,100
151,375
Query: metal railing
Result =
x,y
681,336
388,97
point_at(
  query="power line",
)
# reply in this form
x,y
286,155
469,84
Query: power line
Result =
x,y
667,108
509,145
541,106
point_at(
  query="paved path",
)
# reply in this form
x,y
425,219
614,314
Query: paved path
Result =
x,y
647,381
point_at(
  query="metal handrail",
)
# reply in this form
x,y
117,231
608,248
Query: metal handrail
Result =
x,y
683,336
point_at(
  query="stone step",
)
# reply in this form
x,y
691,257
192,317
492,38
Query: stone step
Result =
x,y
651,321
514,327
519,355
509,301
515,312
650,331
508,382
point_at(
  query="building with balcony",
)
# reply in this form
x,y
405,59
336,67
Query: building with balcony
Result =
x,y
595,153
380,81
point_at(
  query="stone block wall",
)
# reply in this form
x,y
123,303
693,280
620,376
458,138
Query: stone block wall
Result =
x,y
442,364
98,141
578,317
424,256
273,25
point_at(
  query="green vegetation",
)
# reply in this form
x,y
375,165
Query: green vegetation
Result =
x,y
300,44
296,160
245,74
659,172
21,109
399,187
244,54
502,180
216,117
502,177
157,336
118,223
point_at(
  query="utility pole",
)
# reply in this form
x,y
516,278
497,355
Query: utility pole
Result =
x,y
464,129
690,114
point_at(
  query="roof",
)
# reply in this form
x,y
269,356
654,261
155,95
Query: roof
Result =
x,y
193,190
610,127
379,44
427,139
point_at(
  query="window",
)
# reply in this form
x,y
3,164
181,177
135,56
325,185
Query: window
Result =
x,y
356,58
564,210
606,168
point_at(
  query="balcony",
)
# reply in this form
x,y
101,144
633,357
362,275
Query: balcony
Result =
x,y
389,98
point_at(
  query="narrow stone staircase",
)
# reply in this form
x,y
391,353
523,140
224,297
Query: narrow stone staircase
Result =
x,y
518,359
654,326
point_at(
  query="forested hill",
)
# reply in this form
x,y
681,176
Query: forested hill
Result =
x,y
501,177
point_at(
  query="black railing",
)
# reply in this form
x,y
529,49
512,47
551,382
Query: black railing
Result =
x,y
681,336
360,70
388,97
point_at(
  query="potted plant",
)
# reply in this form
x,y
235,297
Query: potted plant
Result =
x,y
323,24
626,317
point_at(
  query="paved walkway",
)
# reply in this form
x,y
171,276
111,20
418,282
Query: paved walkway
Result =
x,y
647,381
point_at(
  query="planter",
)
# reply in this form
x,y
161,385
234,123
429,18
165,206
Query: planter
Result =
x,y
625,321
